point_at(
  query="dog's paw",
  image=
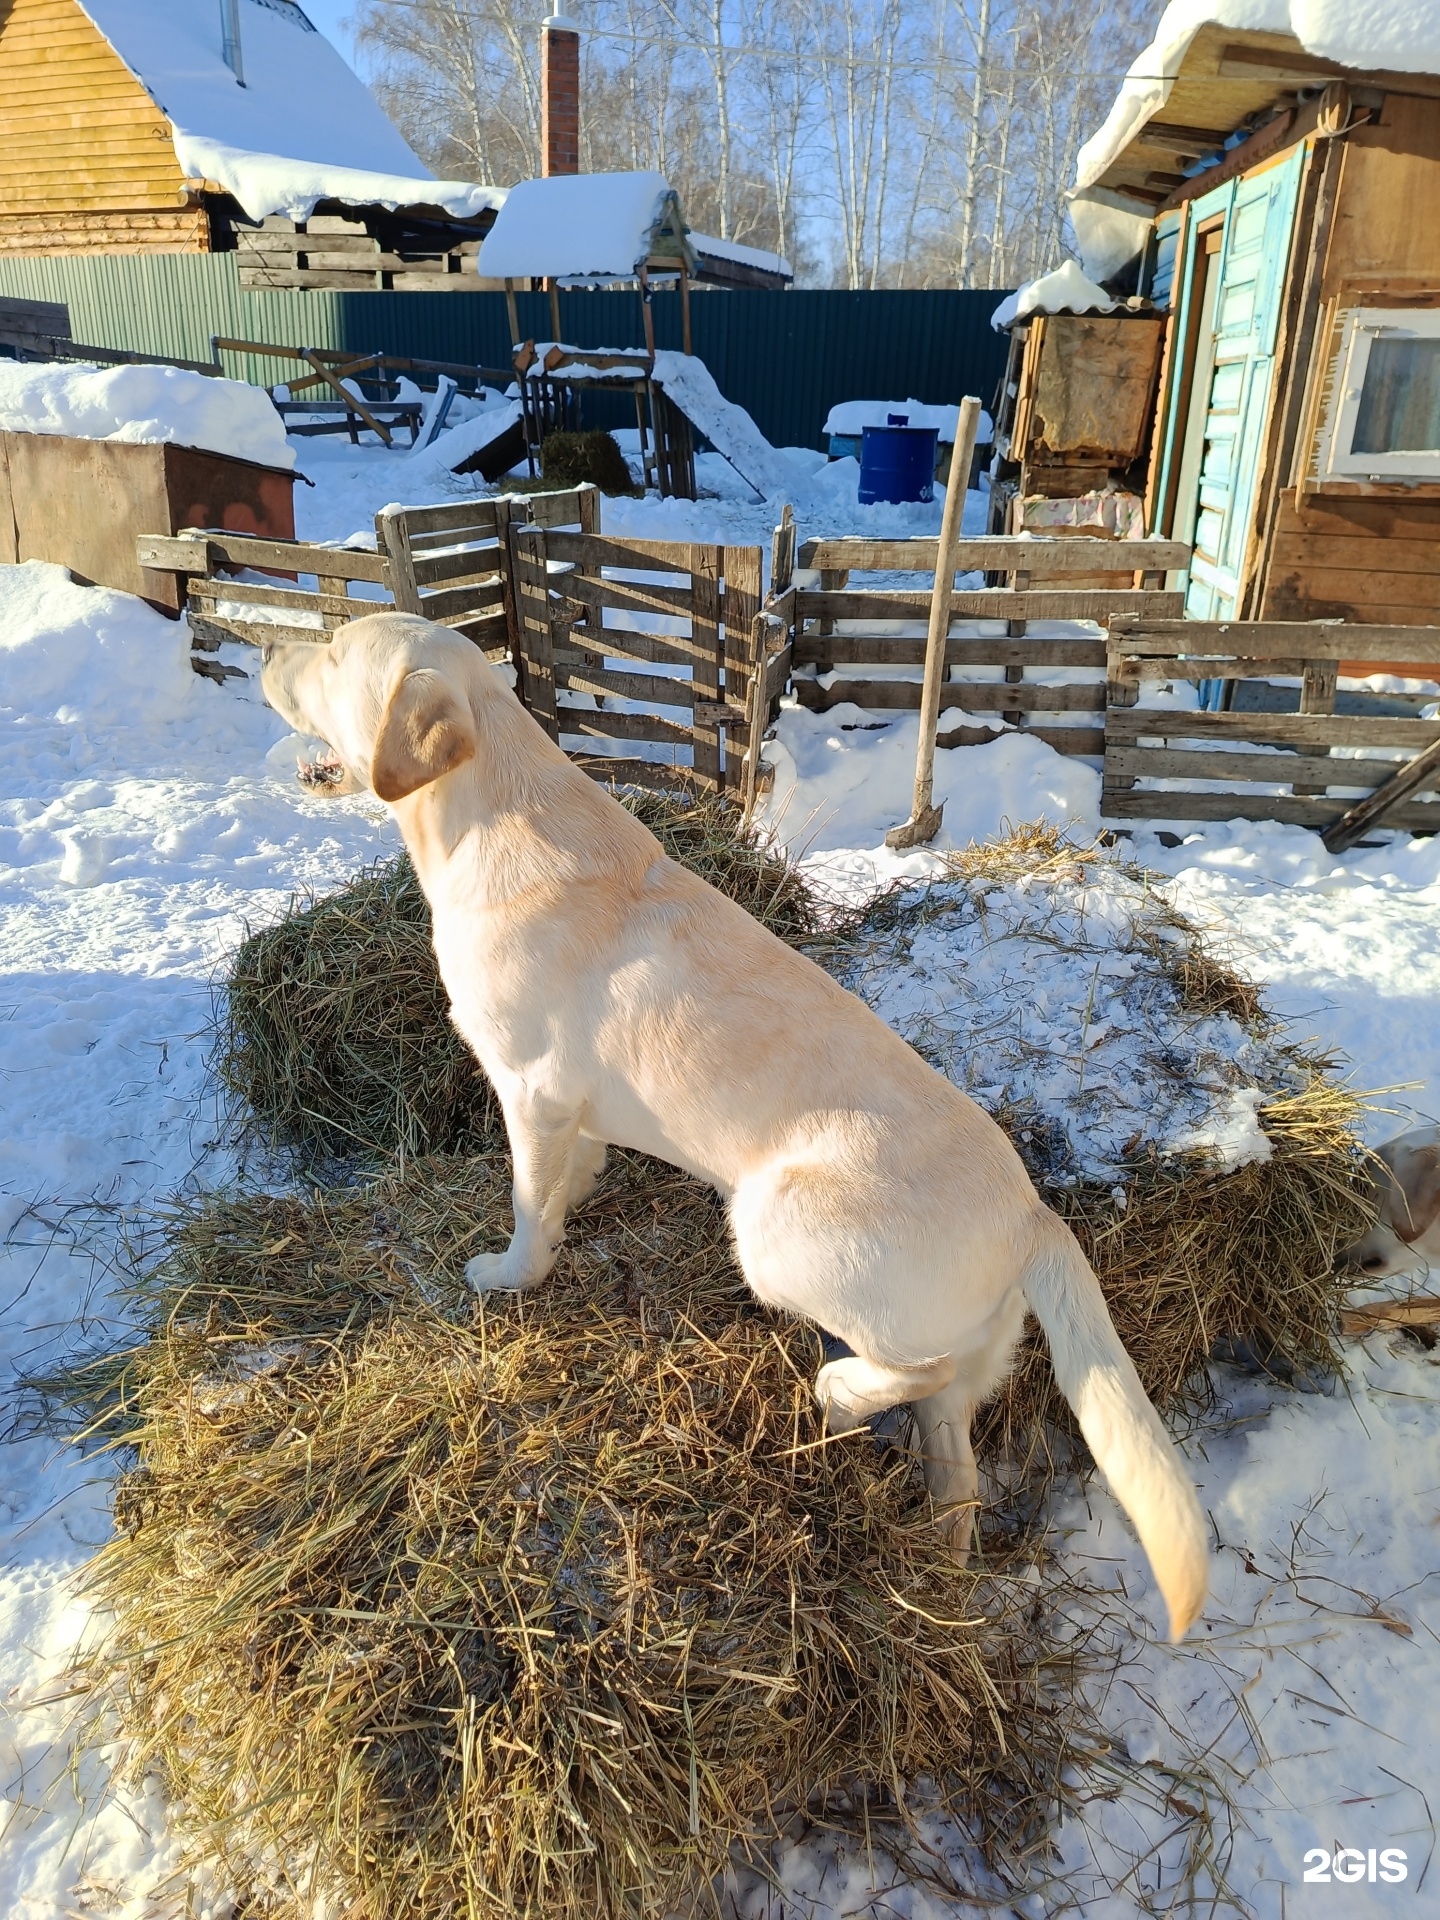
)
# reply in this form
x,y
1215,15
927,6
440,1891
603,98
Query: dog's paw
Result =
x,y
495,1273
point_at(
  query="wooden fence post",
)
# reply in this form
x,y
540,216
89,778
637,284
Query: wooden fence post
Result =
x,y
924,821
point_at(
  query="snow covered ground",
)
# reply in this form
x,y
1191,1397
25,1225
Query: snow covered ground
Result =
x,y
145,814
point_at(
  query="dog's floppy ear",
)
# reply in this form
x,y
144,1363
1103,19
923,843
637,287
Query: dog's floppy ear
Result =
x,y
426,730
1418,1178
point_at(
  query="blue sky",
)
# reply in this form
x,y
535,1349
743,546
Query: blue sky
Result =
x,y
327,15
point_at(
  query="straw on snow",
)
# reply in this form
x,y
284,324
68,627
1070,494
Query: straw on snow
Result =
x,y
536,1611
543,1611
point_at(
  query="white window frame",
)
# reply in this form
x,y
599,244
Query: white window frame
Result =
x,y
1363,326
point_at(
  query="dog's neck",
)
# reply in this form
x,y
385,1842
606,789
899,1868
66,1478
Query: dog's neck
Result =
x,y
518,817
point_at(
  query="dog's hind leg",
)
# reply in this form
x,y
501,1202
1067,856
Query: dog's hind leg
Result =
x,y
851,1389
542,1147
586,1167
943,1420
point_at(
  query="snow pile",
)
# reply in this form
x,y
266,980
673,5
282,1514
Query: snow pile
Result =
x,y
1065,290
575,226
1401,36
144,405
849,418
1050,997
302,128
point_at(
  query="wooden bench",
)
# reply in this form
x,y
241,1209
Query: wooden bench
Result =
x,y
837,626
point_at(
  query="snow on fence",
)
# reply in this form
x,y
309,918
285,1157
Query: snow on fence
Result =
x,y
838,627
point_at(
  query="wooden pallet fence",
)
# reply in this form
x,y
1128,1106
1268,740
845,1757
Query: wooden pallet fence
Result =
x,y
453,563
450,563
658,637
838,626
1217,765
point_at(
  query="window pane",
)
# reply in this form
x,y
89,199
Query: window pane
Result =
x,y
1400,400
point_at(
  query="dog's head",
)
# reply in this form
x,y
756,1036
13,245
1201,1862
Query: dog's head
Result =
x,y
1406,1175
388,696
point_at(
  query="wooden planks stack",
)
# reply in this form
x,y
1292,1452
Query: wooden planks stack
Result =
x,y
356,253
658,638
1216,764
837,626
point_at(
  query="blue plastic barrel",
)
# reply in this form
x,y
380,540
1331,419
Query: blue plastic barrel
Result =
x,y
897,464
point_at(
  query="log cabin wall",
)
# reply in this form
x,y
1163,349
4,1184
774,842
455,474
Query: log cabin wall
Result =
x,y
87,163
1363,550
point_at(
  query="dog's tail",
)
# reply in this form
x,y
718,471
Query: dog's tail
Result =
x,y
1123,1430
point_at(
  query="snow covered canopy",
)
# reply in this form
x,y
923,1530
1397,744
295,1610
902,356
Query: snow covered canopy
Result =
x,y
1216,66
587,226
303,128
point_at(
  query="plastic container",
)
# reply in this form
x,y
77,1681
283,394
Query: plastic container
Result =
x,y
897,463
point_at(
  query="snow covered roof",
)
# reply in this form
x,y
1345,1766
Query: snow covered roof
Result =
x,y
711,246
581,226
303,127
1065,290
1400,36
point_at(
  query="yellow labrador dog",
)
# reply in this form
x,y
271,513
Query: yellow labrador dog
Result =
x,y
1406,1183
613,997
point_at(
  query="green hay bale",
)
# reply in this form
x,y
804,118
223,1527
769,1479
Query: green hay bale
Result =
x,y
573,459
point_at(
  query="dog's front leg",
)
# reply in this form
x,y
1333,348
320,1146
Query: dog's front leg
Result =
x,y
542,1148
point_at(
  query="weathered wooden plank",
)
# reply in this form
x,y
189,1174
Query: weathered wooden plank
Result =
x,y
623,772
706,569
1087,741
205,591
624,596
469,563
210,629
743,652
843,649
1422,775
178,554
620,644
1273,639
1280,769
992,603
1125,725
1290,809
641,556
1042,558
467,519
974,696
449,604
653,689
606,725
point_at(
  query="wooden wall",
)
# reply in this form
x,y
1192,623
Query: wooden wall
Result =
x,y
87,163
1366,551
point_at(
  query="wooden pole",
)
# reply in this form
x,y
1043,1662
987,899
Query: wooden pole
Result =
x,y
514,313
554,308
924,821
1420,772
685,311
647,315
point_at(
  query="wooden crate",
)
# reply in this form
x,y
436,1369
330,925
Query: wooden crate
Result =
x,y
835,626
1223,760
669,628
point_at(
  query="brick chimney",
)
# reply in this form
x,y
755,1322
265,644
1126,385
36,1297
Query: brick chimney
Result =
x,y
560,95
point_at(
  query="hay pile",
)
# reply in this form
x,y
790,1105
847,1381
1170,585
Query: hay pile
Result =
x,y
334,1030
544,1605
537,1611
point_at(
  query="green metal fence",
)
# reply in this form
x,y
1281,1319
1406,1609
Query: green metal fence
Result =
x,y
785,357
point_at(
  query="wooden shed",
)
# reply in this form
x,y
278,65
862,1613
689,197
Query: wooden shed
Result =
x,y
145,126
1286,220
